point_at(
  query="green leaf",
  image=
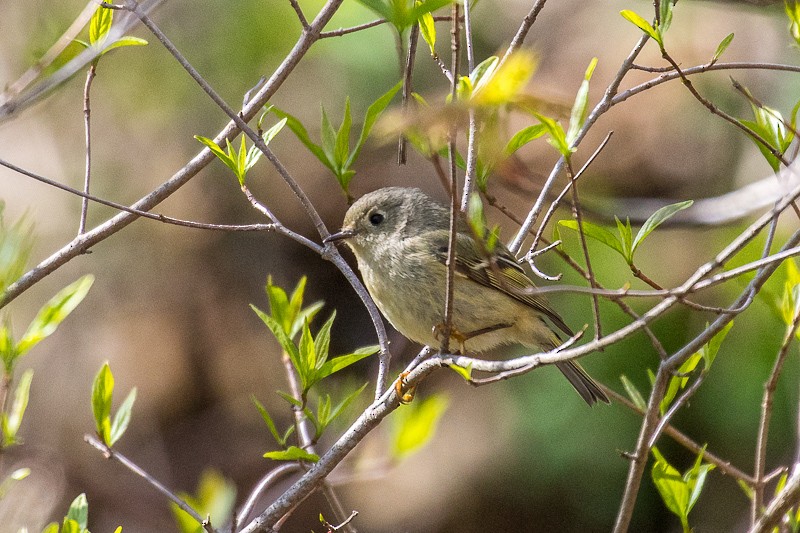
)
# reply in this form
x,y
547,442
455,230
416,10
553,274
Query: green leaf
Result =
x,y
79,511
374,112
656,219
274,130
557,137
300,132
710,349
52,527
307,359
12,420
625,238
597,233
122,418
125,41
342,145
338,363
71,526
678,382
292,453
723,45
633,393
414,425
427,27
329,141
279,306
482,73
665,15
641,23
226,158
465,373
580,107
695,479
215,497
267,419
99,26
671,486
747,489
289,398
523,137
102,392
346,402
280,334
54,312
322,341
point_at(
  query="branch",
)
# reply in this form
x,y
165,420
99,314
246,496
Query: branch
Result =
x,y
780,505
130,465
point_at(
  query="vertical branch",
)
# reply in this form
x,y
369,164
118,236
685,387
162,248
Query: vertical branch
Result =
x,y
472,135
766,415
88,136
451,146
576,212
407,88
639,457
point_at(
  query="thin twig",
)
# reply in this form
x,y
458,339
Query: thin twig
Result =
x,y
523,30
599,109
133,467
576,212
88,140
766,416
269,479
675,407
451,148
472,133
780,505
408,72
300,15
684,440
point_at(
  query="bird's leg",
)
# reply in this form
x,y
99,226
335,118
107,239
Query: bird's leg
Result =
x,y
462,338
405,396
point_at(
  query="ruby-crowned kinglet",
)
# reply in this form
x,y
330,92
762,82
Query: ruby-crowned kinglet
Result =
x,y
400,237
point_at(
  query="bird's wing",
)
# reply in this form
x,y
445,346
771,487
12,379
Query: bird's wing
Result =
x,y
499,271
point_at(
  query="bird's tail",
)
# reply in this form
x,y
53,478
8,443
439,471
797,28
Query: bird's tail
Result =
x,y
582,382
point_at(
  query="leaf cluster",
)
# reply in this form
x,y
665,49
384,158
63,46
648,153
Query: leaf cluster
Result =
x,y
109,430
623,242
680,492
76,520
334,151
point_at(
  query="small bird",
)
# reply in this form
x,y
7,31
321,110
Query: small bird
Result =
x,y
400,238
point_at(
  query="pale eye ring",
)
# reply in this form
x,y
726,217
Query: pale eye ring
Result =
x,y
375,219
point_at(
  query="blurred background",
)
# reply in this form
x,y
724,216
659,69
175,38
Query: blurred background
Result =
x,y
170,306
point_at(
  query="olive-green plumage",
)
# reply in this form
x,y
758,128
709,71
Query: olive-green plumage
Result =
x,y
400,238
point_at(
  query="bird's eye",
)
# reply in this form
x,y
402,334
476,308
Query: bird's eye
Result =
x,y
375,219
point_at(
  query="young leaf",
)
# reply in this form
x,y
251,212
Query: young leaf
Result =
x,y
79,511
267,420
723,45
679,381
125,41
274,130
695,479
122,418
217,151
625,238
465,373
673,489
215,497
280,334
414,426
427,27
292,453
579,108
633,393
710,349
300,132
342,146
597,233
12,420
374,112
641,23
347,401
322,341
656,219
54,312
329,141
523,137
337,363
102,392
557,137
99,26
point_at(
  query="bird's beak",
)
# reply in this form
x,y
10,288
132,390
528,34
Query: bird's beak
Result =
x,y
340,236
